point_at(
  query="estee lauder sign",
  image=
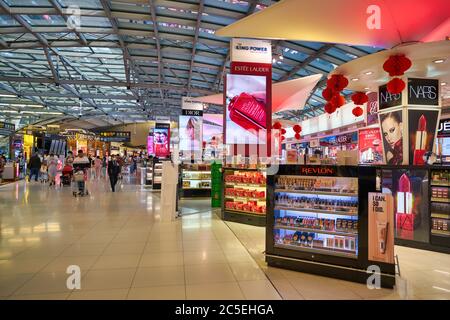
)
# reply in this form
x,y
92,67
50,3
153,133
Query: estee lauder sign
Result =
x,y
318,171
251,68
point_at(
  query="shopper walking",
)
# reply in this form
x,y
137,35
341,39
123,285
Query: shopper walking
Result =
x,y
104,165
97,167
2,166
34,165
113,172
52,169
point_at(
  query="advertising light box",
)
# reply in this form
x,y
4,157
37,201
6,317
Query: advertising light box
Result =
x,y
246,109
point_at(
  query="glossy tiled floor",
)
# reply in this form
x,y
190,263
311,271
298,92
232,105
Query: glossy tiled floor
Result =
x,y
126,252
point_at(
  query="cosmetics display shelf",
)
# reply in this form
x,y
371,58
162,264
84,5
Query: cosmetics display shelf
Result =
x,y
247,212
312,210
194,180
441,233
317,221
318,250
317,192
440,215
441,200
336,232
244,196
440,184
157,175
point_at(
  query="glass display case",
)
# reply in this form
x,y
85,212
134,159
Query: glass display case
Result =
x,y
157,175
440,207
244,195
195,180
317,214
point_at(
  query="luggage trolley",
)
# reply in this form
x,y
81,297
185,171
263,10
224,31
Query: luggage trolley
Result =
x,y
80,178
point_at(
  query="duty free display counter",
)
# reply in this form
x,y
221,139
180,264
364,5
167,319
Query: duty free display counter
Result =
x,y
317,221
244,196
421,205
194,180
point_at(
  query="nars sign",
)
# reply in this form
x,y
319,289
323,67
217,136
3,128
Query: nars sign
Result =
x,y
387,99
423,92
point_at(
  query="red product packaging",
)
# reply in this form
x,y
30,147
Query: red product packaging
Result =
x,y
247,112
405,221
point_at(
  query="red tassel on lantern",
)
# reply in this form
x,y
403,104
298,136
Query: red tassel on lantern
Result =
x,y
327,94
360,98
297,128
282,138
330,108
357,111
397,65
283,131
396,86
297,136
338,100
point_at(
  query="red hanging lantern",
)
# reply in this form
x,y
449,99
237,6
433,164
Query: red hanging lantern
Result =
x,y
277,125
359,98
297,128
297,136
337,82
397,65
330,108
396,86
327,94
338,100
357,111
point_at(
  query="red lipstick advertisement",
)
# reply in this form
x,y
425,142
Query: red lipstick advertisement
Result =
x,y
422,126
404,216
370,146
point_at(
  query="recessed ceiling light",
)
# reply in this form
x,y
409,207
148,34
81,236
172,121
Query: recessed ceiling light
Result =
x,y
443,83
439,60
368,73
355,79
366,88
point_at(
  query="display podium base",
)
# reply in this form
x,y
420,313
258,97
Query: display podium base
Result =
x,y
195,193
251,219
327,270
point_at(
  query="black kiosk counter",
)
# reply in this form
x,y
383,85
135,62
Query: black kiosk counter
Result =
x,y
317,221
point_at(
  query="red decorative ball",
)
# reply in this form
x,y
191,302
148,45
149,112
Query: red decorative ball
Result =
x,y
297,128
337,82
297,136
396,86
330,108
338,100
277,125
397,65
283,131
357,111
360,98
282,138
327,94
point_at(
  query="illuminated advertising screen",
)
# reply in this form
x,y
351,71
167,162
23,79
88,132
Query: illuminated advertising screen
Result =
x,y
392,131
370,146
246,109
161,136
190,132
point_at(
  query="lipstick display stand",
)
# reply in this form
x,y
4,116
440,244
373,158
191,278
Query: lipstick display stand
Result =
x,y
244,196
317,221
422,197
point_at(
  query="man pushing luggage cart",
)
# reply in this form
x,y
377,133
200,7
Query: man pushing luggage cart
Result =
x,y
80,166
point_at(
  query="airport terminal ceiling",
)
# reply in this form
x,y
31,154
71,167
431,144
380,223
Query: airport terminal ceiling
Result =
x,y
97,63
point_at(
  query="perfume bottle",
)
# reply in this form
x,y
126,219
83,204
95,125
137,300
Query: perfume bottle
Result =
x,y
248,112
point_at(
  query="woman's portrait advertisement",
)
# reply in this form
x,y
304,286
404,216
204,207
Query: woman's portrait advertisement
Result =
x,y
190,133
391,124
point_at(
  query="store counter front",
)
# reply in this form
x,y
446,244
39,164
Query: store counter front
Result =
x,y
421,206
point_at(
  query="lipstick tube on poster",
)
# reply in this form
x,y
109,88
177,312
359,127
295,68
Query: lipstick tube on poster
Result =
x,y
404,195
421,141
